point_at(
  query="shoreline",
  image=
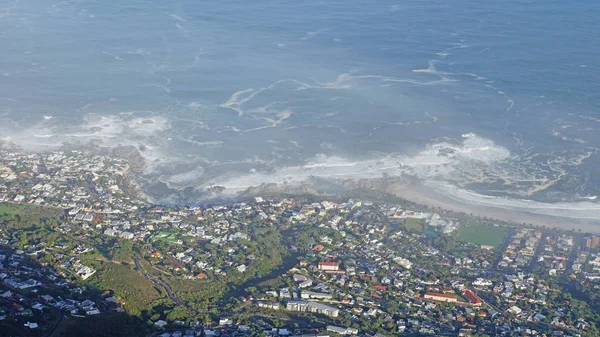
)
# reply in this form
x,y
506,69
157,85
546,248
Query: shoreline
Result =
x,y
421,194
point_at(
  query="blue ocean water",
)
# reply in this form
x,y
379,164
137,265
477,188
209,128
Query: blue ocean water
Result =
x,y
492,98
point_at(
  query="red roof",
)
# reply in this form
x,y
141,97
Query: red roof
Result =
x,y
318,248
332,264
471,296
441,295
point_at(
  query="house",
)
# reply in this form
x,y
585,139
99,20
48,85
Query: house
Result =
x,y
92,311
342,331
127,235
87,303
480,282
305,284
371,312
38,306
273,306
328,205
160,323
403,262
225,321
111,232
47,298
515,310
31,325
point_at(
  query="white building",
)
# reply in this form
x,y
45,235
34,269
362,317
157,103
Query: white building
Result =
x,y
306,306
305,294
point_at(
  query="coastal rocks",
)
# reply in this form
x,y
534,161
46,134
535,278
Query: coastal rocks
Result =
x,y
132,155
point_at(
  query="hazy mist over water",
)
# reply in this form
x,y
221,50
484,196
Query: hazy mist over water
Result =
x,y
475,99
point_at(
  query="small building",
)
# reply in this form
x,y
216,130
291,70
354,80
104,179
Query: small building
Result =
x,y
160,323
127,235
31,325
515,310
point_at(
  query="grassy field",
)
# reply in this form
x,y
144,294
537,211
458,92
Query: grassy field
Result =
x,y
483,234
414,224
8,209
164,236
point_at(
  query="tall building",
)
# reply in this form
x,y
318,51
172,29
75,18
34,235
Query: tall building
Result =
x,y
595,241
591,242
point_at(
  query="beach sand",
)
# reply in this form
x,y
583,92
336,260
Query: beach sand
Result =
x,y
419,193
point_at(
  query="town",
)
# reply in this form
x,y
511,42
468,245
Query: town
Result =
x,y
275,265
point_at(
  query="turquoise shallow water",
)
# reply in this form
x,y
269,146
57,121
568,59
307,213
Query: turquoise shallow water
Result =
x,y
497,98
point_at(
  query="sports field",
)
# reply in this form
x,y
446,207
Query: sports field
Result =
x,y
414,224
483,234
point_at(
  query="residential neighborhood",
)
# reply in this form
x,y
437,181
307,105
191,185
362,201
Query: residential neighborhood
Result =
x,y
296,265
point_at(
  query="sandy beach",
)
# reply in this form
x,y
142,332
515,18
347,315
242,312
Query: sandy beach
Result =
x,y
422,194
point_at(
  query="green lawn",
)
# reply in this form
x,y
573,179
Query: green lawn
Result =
x,y
483,234
164,236
414,224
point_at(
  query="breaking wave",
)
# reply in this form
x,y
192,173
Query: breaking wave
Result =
x,y
437,161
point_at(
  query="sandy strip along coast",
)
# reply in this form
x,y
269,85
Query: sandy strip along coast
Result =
x,y
580,216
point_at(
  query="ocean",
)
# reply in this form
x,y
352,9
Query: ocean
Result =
x,y
488,102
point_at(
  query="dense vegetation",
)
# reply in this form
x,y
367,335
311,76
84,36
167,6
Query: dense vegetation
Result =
x,y
29,224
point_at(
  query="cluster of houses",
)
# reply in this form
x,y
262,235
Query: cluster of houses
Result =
x,y
66,179
556,253
368,261
362,260
357,259
227,328
28,293
521,249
